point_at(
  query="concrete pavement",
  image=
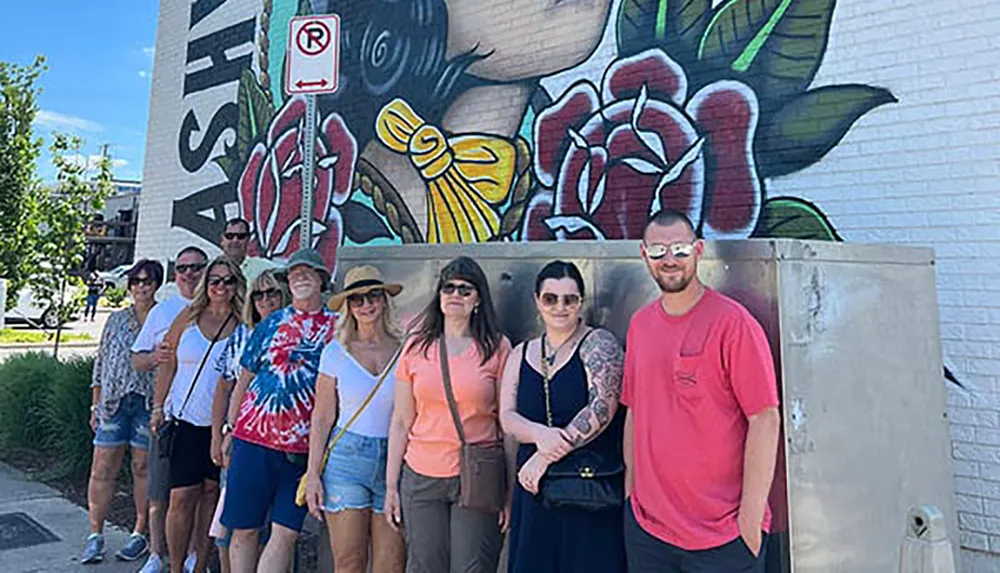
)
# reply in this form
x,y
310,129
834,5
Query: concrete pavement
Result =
x,y
67,523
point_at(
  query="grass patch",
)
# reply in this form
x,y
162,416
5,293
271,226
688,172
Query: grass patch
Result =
x,y
11,336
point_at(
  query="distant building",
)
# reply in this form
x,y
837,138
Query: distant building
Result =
x,y
111,235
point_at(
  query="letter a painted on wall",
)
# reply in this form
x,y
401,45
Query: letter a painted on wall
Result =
x,y
313,54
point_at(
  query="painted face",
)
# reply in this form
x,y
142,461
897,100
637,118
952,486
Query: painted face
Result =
x,y
671,254
304,282
142,287
458,298
266,299
221,284
367,308
188,272
234,241
559,303
518,35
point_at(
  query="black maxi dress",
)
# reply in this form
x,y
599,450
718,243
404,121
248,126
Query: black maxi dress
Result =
x,y
544,540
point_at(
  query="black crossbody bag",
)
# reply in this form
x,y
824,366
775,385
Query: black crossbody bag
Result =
x,y
166,433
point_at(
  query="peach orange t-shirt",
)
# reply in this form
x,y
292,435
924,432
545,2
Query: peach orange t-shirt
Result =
x,y
434,446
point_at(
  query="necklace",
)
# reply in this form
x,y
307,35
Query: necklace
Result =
x,y
551,360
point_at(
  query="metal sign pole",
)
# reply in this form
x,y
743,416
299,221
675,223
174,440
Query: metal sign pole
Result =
x,y
308,169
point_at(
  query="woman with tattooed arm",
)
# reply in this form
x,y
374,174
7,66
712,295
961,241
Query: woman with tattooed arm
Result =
x,y
559,399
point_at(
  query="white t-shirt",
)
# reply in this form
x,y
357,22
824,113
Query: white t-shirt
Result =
x,y
191,349
158,322
354,383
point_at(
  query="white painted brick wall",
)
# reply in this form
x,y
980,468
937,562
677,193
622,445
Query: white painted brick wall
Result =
x,y
924,171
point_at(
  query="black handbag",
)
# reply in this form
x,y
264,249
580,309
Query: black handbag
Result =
x,y
584,479
166,433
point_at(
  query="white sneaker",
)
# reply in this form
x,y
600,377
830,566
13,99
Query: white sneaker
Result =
x,y
153,564
190,562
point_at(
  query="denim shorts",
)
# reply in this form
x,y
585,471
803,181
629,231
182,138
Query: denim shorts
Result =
x,y
128,425
354,476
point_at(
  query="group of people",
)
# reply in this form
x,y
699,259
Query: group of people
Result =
x,y
422,445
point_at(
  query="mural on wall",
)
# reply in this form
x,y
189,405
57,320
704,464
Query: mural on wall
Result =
x,y
441,131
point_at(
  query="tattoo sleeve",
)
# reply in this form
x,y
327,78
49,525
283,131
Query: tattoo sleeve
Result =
x,y
604,362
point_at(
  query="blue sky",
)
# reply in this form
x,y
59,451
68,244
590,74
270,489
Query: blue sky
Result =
x,y
100,59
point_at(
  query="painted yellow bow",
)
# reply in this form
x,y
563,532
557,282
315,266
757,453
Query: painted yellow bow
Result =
x,y
467,175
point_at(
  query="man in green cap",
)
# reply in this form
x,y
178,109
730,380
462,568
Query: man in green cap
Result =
x,y
269,417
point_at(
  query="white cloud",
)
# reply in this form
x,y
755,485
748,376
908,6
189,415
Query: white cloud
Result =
x,y
56,120
150,51
92,161
144,74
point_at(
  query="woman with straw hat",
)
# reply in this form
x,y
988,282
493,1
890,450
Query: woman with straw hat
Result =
x,y
346,473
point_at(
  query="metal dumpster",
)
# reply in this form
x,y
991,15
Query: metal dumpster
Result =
x,y
854,330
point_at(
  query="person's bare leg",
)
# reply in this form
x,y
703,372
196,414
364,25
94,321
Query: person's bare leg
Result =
x,y
243,551
388,547
224,560
103,471
206,509
139,489
348,532
277,556
180,517
158,528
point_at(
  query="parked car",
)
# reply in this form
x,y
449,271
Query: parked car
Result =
x,y
116,277
37,311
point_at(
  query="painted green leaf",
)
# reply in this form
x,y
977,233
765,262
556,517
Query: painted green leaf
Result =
x,y
777,44
361,223
674,25
809,125
793,218
255,113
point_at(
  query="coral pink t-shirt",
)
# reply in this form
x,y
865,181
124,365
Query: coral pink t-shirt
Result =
x,y
434,446
691,382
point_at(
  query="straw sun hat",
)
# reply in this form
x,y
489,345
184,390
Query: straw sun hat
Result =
x,y
360,280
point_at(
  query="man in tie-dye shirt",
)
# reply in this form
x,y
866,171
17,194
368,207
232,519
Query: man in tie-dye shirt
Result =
x,y
269,416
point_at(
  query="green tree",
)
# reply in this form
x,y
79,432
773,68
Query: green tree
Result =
x,y
19,184
65,212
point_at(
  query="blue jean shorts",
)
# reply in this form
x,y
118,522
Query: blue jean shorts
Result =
x,y
354,476
128,425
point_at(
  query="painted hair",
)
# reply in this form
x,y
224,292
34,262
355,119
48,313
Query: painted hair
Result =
x,y
482,323
559,270
393,48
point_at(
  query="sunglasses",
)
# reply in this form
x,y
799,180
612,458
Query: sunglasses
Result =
x,y
552,299
371,296
228,280
272,292
657,251
189,268
462,290
240,236
140,282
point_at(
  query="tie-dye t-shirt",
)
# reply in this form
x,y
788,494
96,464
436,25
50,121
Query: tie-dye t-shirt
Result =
x,y
283,354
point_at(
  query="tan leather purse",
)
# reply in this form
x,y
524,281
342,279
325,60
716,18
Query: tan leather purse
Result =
x,y
482,465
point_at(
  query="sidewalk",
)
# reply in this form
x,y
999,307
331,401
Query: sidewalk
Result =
x,y
65,521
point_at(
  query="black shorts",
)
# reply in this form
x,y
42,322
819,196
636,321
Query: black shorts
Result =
x,y
648,554
191,458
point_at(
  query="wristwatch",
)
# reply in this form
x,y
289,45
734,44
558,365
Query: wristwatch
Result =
x,y
226,429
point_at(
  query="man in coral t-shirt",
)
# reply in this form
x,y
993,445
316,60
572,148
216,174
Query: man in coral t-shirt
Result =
x,y
701,435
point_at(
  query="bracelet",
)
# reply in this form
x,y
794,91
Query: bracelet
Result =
x,y
93,408
157,409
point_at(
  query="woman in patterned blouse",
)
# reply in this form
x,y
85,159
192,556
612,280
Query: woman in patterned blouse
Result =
x,y
122,398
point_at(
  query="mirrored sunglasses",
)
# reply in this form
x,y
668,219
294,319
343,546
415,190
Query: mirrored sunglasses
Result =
x,y
657,251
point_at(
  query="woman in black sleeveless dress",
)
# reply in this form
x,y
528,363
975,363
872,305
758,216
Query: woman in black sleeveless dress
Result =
x,y
560,400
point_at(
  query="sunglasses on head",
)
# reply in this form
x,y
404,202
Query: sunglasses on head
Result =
x,y
568,300
140,281
239,236
272,292
462,290
371,296
189,268
657,251
228,280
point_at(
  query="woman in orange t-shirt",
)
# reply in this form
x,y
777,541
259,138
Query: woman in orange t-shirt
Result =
x,y
422,474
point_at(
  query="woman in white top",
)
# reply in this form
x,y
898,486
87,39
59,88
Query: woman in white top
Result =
x,y
184,389
351,486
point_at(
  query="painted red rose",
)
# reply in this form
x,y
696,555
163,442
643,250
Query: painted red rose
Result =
x,y
606,162
270,189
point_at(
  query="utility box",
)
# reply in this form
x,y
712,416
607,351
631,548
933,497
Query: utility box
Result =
x,y
855,336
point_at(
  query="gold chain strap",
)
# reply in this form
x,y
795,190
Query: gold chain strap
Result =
x,y
545,383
